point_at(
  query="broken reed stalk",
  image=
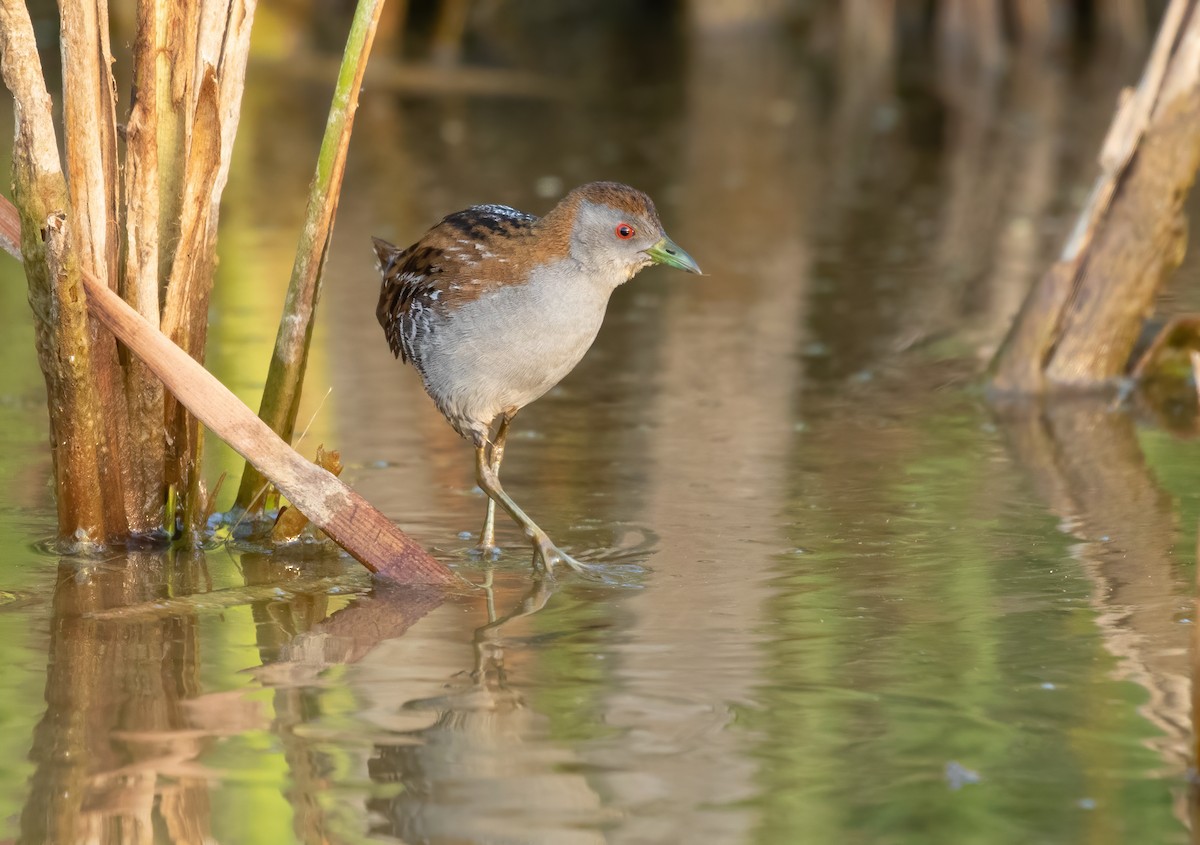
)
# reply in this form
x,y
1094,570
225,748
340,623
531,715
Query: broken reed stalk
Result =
x,y
207,79
140,275
285,378
90,134
1080,321
79,446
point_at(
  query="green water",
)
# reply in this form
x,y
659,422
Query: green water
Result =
x,y
847,601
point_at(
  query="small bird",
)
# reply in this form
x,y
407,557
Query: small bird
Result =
x,y
493,307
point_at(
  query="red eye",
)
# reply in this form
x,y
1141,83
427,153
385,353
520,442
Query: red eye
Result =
x,y
625,231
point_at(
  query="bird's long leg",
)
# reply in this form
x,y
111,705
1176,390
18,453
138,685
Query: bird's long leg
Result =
x,y
487,537
544,549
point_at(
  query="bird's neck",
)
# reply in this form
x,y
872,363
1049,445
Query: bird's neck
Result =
x,y
561,234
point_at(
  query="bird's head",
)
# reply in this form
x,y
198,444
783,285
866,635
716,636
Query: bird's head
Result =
x,y
615,232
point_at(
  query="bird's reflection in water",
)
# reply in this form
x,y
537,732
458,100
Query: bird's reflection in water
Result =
x,y
486,770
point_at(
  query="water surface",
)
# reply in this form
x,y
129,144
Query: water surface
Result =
x,y
846,601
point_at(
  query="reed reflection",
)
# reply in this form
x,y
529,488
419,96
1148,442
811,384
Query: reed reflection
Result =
x,y
122,750
297,640
125,721
1085,462
476,772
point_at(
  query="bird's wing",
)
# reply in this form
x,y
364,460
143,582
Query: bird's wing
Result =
x,y
459,259
409,278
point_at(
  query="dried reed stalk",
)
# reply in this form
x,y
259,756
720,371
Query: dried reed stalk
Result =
x,y
211,104
90,133
79,444
1080,321
140,276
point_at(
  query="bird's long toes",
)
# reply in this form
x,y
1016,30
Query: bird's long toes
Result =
x,y
488,551
546,555
543,559
592,573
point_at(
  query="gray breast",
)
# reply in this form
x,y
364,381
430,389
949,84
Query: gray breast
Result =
x,y
508,348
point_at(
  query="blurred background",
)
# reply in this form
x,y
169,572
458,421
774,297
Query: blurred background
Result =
x,y
845,600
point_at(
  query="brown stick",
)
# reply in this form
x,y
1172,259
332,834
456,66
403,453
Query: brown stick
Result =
x,y
211,106
52,271
185,308
174,55
1079,323
1138,246
90,134
351,521
140,285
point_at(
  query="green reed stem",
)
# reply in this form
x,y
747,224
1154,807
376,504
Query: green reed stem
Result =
x,y
285,378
